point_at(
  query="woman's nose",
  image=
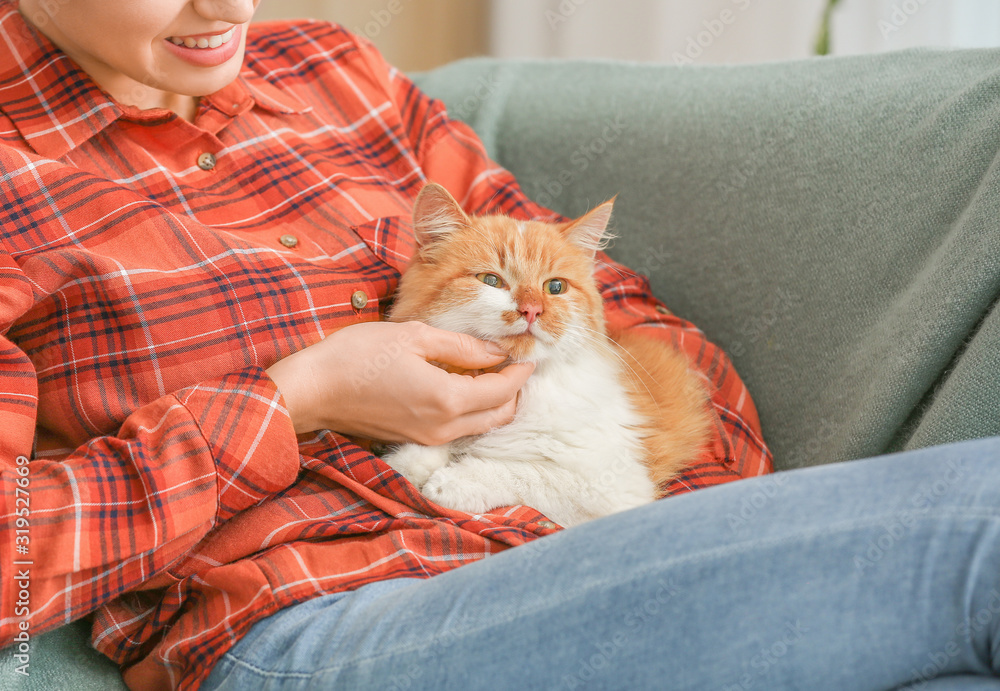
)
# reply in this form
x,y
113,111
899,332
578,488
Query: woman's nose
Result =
x,y
232,11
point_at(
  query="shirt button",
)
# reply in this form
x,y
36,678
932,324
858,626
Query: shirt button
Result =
x,y
662,310
289,241
359,300
206,161
547,524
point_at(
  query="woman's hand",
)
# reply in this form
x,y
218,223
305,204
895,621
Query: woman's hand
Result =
x,y
375,380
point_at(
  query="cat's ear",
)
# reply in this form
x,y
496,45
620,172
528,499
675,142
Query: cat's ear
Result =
x,y
436,215
590,232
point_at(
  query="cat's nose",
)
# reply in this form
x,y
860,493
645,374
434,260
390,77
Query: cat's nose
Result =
x,y
531,312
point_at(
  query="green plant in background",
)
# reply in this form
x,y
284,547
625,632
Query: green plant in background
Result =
x,y
823,42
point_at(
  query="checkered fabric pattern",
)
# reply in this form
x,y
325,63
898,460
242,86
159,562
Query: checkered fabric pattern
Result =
x,y
143,295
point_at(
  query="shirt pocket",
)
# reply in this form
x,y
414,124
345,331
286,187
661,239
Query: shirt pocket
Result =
x,y
390,239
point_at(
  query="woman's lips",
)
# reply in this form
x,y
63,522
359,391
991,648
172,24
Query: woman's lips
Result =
x,y
207,50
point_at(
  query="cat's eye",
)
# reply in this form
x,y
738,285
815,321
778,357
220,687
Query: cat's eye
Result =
x,y
492,280
555,286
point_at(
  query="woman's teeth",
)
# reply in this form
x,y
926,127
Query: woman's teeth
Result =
x,y
203,42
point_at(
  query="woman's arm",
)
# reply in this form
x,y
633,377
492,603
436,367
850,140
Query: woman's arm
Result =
x,y
120,509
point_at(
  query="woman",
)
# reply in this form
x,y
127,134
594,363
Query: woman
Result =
x,y
202,225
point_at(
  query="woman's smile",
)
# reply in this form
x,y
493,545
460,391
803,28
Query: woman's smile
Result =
x,y
207,50
140,51
203,40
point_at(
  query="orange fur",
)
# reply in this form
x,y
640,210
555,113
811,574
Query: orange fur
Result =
x,y
673,400
443,274
455,248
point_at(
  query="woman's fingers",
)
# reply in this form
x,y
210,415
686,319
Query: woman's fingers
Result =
x,y
459,350
480,404
375,380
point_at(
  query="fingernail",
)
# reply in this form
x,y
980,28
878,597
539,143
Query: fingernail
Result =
x,y
494,349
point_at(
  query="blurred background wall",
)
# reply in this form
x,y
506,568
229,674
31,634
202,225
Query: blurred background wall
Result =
x,y
412,34
420,34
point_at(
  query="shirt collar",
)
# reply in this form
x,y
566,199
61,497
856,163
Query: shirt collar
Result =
x,y
269,97
56,106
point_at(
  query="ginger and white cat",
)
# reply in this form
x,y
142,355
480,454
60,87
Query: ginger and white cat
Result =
x,y
602,422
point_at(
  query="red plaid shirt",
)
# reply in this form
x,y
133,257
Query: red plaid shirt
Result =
x,y
156,473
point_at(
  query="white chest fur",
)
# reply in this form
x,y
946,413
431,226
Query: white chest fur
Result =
x,y
572,452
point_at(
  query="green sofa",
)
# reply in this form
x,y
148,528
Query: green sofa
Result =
x,y
833,223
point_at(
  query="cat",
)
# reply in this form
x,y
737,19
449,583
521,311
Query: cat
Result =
x,y
604,420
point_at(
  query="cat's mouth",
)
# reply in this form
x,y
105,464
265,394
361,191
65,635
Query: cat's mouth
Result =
x,y
521,347
527,345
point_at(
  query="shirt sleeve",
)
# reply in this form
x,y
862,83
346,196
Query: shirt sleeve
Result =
x,y
121,509
451,154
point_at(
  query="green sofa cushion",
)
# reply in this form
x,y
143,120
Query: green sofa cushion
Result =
x,y
832,223
61,660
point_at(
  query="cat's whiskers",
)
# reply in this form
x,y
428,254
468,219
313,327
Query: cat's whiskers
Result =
x,y
471,325
617,270
489,204
602,341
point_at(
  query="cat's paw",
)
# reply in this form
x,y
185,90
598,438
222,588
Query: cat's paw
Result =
x,y
417,463
455,488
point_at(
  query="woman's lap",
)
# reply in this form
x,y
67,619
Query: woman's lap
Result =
x,y
867,575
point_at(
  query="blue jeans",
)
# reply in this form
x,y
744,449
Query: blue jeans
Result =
x,y
877,574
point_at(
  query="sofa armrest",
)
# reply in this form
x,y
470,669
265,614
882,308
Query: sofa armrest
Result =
x,y
830,222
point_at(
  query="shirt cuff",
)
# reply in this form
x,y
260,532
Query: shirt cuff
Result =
x,y
243,420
